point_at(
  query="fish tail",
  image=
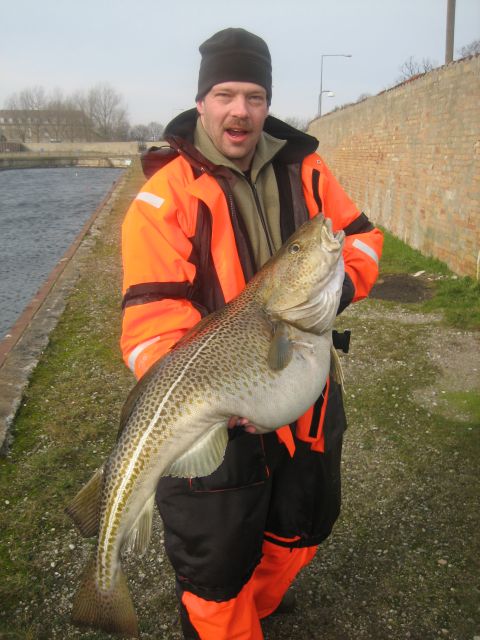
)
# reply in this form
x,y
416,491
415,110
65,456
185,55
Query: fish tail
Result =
x,y
110,610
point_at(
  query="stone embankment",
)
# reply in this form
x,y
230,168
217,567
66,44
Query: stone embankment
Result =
x,y
71,154
50,160
91,148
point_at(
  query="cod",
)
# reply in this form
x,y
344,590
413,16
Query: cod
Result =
x,y
265,356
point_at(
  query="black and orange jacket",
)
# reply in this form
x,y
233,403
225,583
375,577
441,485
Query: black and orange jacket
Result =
x,y
186,251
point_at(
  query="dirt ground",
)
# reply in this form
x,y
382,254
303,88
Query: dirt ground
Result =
x,y
402,287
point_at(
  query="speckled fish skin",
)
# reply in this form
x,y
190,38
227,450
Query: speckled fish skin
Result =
x,y
223,368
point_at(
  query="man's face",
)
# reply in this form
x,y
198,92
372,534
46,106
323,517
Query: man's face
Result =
x,y
233,114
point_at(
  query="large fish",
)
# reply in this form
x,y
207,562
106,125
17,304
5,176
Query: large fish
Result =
x,y
264,356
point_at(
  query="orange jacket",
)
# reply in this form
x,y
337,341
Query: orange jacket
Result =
x,y
184,253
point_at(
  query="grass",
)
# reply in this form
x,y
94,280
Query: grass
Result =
x,y
457,298
459,301
410,481
398,257
466,402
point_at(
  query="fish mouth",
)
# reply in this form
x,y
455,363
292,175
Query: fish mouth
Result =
x,y
331,240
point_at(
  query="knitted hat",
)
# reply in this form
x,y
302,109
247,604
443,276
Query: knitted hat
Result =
x,y
234,55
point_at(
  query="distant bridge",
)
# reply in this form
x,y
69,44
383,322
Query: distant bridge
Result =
x,y
32,160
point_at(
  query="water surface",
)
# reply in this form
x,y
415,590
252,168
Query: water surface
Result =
x,y
41,213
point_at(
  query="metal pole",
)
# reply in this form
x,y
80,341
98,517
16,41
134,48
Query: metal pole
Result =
x,y
321,88
450,31
327,55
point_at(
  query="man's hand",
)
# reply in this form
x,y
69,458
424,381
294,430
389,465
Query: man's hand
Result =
x,y
237,421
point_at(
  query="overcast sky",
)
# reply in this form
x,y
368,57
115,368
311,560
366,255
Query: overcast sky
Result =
x,y
148,49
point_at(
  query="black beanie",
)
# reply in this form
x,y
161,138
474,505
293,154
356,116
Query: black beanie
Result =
x,y
234,55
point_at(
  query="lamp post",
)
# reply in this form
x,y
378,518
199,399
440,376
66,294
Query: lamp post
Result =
x,y
327,55
450,31
328,93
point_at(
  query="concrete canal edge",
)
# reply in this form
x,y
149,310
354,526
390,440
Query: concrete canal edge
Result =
x,y
51,161
24,343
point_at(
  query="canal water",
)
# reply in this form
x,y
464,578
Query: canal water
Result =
x,y
41,213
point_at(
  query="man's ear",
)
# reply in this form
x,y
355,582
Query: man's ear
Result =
x,y
200,107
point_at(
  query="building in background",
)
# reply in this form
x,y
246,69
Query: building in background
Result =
x,y
45,125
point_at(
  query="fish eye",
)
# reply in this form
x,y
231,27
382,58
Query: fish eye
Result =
x,y
294,248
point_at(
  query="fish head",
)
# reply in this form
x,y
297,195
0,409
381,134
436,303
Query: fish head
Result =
x,y
304,278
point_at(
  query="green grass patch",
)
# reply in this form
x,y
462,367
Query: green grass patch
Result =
x,y
398,257
468,403
457,298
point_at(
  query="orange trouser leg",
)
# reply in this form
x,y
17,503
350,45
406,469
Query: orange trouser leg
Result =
x,y
275,573
238,618
234,619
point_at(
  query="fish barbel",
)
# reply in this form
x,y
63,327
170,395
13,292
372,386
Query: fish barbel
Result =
x,y
264,356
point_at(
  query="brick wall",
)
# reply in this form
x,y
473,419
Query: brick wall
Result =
x,y
409,157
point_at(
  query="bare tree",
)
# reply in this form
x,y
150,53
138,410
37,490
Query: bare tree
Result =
x,y
105,108
155,131
31,99
98,113
363,96
139,132
78,101
470,49
121,126
411,68
298,123
12,102
55,104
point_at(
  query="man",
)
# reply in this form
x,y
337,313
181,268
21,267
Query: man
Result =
x,y
233,186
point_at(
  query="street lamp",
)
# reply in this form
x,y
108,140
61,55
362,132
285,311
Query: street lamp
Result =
x,y
328,93
327,55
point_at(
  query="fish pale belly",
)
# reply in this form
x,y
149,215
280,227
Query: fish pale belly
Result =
x,y
291,391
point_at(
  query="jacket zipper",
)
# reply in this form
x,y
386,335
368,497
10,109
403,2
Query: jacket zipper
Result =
x,y
262,216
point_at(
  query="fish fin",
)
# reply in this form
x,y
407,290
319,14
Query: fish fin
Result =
x,y
336,369
111,610
281,347
203,322
204,457
85,507
141,532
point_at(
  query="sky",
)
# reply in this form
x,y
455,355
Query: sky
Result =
x,y
147,50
